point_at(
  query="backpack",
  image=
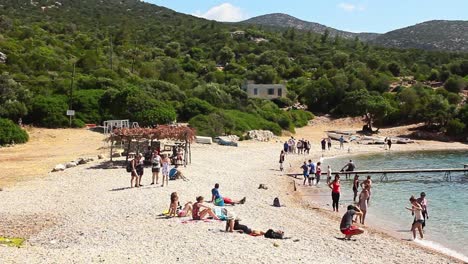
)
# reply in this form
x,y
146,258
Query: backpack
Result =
x,y
273,234
129,167
276,202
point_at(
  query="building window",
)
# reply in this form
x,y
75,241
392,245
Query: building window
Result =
x,y
255,91
271,91
280,92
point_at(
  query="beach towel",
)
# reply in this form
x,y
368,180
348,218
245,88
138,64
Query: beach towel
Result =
x,y
192,221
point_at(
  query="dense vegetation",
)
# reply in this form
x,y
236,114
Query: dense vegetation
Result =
x,y
11,133
151,65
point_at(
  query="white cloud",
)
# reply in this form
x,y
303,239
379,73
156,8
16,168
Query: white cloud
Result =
x,y
225,12
351,7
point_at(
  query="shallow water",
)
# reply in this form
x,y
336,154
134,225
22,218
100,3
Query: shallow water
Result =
x,y
447,225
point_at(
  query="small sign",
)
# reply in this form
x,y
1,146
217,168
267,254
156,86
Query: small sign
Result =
x,y
70,112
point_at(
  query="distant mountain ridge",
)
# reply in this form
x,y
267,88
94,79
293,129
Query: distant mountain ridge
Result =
x,y
443,35
287,21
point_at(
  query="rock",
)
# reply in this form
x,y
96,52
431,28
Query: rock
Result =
x,y
261,135
276,244
116,155
59,167
100,156
89,159
70,164
80,161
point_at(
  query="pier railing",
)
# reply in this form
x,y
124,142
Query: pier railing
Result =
x,y
447,172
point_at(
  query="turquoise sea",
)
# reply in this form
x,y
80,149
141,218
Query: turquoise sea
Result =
x,y
447,227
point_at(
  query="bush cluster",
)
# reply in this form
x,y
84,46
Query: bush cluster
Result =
x,y
11,133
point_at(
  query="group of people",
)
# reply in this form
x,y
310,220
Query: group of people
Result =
x,y
293,146
158,163
199,210
419,211
326,142
312,172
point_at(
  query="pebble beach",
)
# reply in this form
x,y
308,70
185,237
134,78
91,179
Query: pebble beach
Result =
x,y
88,214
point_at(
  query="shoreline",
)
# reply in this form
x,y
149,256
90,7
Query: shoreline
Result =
x,y
314,198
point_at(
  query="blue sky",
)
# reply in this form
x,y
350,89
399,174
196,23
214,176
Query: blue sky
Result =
x,y
357,16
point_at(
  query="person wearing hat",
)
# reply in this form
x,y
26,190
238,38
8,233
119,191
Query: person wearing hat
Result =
x,y
423,202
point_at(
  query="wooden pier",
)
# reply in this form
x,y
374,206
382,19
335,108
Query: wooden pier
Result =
x,y
447,172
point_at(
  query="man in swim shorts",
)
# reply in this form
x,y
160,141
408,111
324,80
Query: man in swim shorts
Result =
x,y
346,225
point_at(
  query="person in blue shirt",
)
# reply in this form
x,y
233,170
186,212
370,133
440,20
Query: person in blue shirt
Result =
x,y
311,172
218,200
305,172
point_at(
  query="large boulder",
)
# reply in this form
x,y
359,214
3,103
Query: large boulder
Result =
x,y
70,164
261,135
59,167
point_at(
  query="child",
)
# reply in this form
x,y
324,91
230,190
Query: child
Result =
x,y
173,205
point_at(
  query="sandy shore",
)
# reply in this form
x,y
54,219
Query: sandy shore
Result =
x,y
88,215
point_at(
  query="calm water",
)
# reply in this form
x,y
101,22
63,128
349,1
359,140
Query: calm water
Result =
x,y
447,201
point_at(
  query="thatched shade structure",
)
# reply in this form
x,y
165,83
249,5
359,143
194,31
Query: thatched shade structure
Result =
x,y
177,133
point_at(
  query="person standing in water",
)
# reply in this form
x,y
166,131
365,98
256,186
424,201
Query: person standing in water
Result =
x,y
281,159
329,174
389,143
324,144
416,209
335,187
423,202
363,204
368,182
355,186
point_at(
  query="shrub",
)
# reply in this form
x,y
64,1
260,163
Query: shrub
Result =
x,y
11,132
301,118
49,112
455,128
194,106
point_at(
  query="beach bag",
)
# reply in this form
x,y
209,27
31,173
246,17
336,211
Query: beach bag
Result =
x,y
219,201
276,202
129,167
273,234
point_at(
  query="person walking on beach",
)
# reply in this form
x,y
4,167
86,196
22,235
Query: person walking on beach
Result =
x,y
311,172
281,159
341,142
165,162
318,172
329,143
335,187
423,202
324,144
346,226
285,147
137,170
416,209
300,146
155,166
363,203
307,147
329,174
355,186
305,172
389,143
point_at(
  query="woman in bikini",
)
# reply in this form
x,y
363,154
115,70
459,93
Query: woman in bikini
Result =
x,y
200,211
176,210
363,202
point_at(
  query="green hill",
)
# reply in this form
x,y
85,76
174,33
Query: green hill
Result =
x,y
138,61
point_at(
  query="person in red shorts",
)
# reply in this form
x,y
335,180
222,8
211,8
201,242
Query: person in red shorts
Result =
x,y
346,225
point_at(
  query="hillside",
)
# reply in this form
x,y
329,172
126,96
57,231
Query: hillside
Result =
x,y
126,59
430,35
287,21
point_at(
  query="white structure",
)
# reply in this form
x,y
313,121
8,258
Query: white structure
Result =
x,y
110,124
264,91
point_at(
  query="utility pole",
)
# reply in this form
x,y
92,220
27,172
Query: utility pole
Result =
x,y
111,53
70,105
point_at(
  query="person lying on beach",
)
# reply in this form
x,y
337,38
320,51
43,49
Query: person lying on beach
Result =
x,y
218,200
234,225
418,217
176,210
346,226
200,211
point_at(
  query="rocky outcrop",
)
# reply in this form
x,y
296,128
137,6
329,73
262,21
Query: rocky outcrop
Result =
x,y
261,135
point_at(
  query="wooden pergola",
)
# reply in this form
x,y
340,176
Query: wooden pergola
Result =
x,y
177,133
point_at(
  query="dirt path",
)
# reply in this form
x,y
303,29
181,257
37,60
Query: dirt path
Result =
x,y
45,149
